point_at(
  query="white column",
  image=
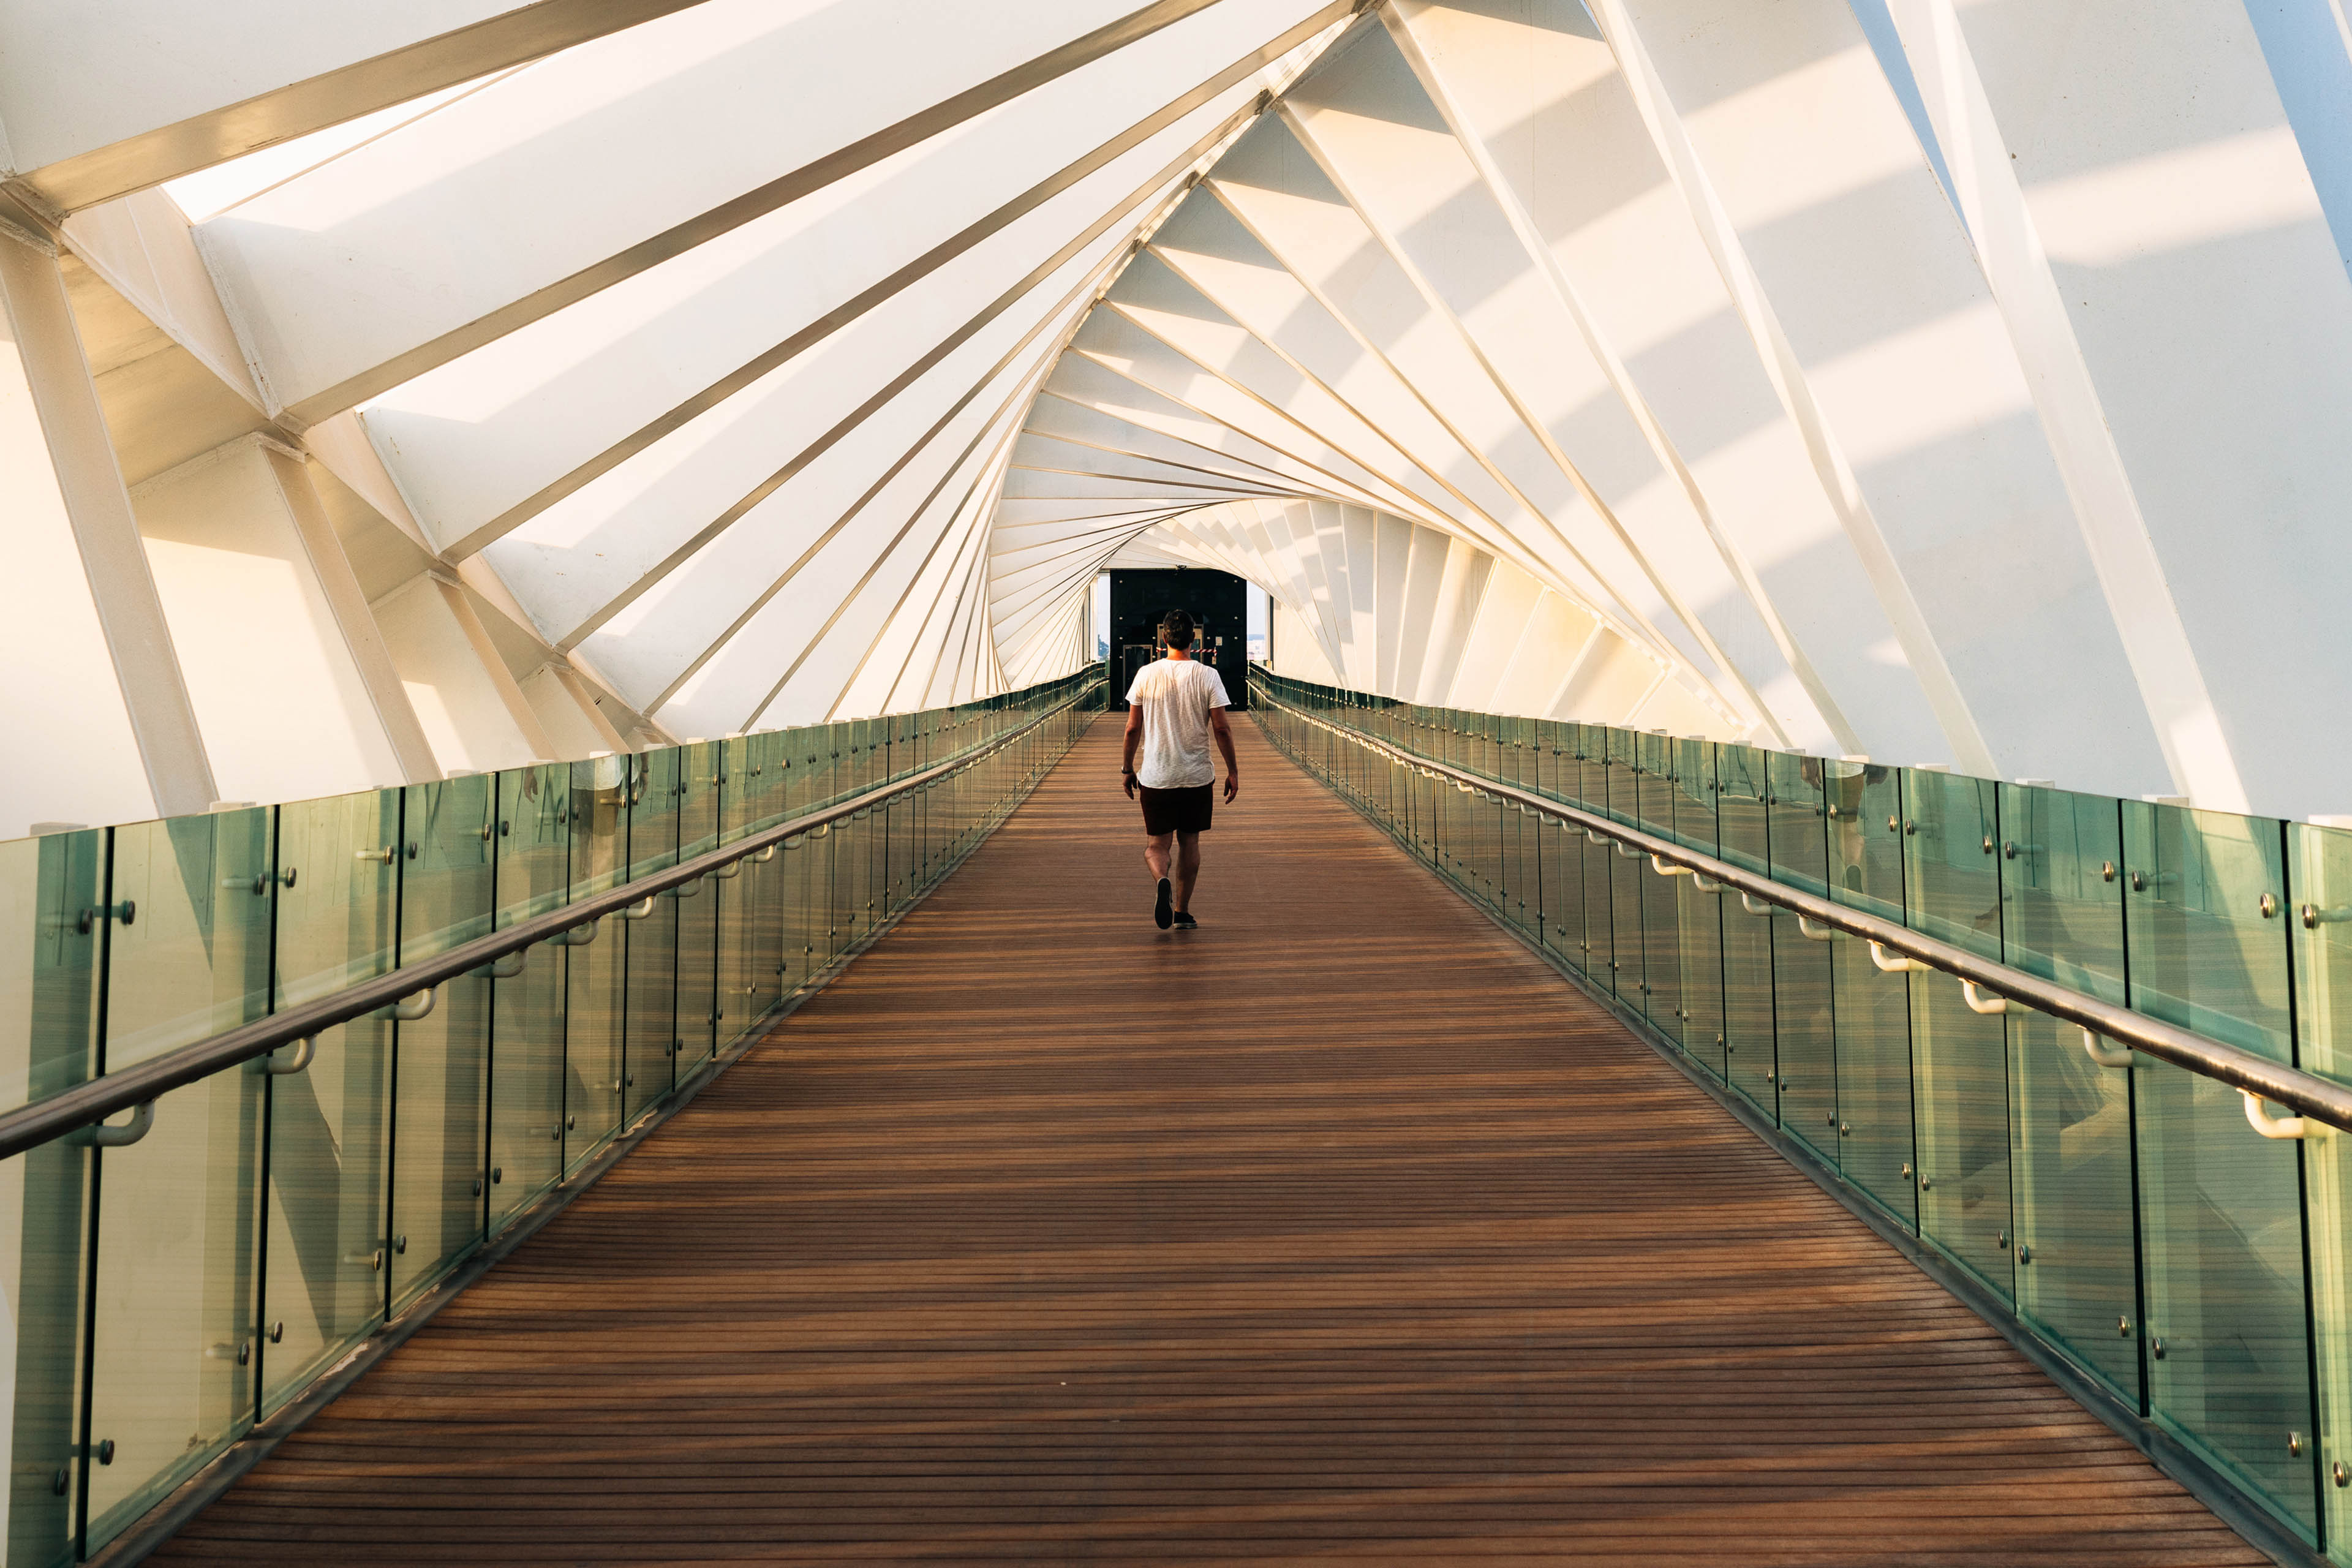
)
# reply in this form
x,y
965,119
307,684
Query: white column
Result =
x,y
297,695
95,702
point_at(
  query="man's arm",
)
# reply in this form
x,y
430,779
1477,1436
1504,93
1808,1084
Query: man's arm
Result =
x,y
1225,734
1133,738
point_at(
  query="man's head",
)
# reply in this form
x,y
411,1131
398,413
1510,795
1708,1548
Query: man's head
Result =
x,y
1178,629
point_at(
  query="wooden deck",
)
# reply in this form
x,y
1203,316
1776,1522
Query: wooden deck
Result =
x,y
1341,1230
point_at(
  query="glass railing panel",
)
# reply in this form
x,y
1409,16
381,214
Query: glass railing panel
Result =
x,y
1803,985
907,847
1952,887
853,859
1662,948
1805,1034
441,1062
1487,826
2070,1116
1862,821
764,882
1620,779
697,1008
2221,1211
324,1285
172,1331
800,864
1796,816
1588,780
1959,1058
1741,816
733,1011
650,940
1950,844
1691,767
1525,873
1700,922
1602,937
49,1042
596,988
1751,1012
1654,794
527,1069
179,1214
1630,950
1654,784
833,871
2206,907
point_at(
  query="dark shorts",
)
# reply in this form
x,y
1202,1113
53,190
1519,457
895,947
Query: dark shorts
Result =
x,y
1176,810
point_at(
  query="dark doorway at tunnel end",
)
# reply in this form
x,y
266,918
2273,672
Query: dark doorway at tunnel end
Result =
x,y
1140,600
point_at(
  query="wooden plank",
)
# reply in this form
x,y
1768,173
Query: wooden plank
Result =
x,y
1339,1229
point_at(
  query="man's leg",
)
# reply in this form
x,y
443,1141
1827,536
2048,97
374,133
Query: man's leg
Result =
x,y
1155,853
1188,867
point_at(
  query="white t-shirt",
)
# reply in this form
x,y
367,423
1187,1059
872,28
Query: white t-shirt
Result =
x,y
1175,695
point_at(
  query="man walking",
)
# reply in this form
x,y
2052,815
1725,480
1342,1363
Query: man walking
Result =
x,y
1172,710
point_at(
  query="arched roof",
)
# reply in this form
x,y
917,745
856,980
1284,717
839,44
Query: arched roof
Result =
x,y
1827,374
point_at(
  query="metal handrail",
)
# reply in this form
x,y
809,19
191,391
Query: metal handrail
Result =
x,y
45,1120
2251,1075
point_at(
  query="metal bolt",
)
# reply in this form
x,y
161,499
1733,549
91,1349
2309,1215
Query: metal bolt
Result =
x,y
277,1331
2294,1445
1906,1168
106,1451
2156,1348
2140,883
61,1480
477,1186
1988,843
245,1353
2009,849
2123,1328
571,1123
1927,1182
2343,1477
1845,1129
497,1174
399,1245
2268,905
2106,870
2025,1253
1893,823
2002,1240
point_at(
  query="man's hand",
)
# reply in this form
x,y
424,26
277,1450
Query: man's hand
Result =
x,y
1232,785
1129,780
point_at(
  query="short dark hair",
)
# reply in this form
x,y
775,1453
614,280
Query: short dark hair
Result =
x,y
1177,627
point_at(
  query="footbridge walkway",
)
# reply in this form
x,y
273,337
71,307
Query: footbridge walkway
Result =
x,y
1344,1229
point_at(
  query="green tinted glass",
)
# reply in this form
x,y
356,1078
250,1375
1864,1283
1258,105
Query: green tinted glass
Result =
x,y
2070,1098
440,1169
325,1282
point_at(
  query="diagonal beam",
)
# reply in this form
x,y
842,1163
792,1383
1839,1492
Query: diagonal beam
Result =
x,y
1118,214
514,36
914,271
756,203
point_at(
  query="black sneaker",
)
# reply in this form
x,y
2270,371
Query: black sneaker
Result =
x,y
1185,922
1159,910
